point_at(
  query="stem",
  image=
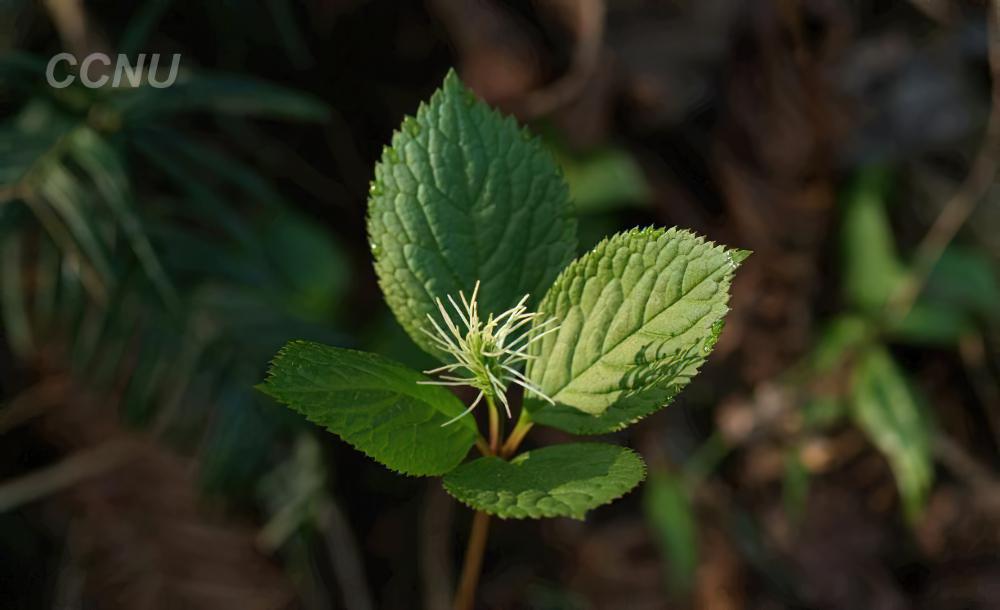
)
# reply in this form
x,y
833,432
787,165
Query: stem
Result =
x,y
517,435
465,597
494,425
483,447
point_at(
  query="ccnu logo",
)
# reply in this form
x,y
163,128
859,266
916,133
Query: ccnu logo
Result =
x,y
98,76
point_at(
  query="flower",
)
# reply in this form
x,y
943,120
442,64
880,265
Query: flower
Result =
x,y
487,353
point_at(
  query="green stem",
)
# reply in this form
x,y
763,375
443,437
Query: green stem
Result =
x,y
517,435
495,432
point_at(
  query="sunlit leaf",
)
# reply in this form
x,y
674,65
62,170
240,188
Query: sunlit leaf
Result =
x,y
638,316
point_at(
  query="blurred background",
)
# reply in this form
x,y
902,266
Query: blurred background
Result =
x,y
840,450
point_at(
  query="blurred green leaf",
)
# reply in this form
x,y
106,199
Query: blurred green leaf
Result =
x,y
143,22
839,338
105,169
795,485
216,93
928,323
966,278
73,203
888,409
13,300
313,268
871,265
671,516
604,179
961,293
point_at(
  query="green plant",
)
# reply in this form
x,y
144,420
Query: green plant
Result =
x,y
137,256
469,220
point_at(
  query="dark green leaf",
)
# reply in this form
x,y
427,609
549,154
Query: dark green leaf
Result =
x,y
462,195
557,481
374,404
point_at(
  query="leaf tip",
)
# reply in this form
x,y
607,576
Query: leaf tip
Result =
x,y
738,255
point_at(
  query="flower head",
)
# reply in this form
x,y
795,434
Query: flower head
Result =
x,y
486,354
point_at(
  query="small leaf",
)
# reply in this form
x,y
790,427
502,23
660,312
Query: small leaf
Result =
x,y
888,410
639,314
872,268
795,486
603,180
374,404
837,342
464,194
671,516
961,295
930,323
557,481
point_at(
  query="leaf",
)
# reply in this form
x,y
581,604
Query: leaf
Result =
x,y
218,93
314,271
930,323
464,194
104,166
872,268
671,516
837,342
374,404
961,294
71,201
888,410
604,179
639,315
13,300
557,481
143,20
795,486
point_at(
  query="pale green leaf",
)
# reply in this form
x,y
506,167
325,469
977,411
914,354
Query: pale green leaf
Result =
x,y
885,406
557,481
464,194
639,314
374,404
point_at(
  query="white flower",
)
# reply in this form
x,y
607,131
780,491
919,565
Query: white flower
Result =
x,y
487,353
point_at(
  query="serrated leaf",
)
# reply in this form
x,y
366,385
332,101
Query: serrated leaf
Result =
x,y
374,404
639,315
464,194
557,481
885,406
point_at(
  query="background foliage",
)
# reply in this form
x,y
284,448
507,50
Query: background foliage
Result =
x,y
839,449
